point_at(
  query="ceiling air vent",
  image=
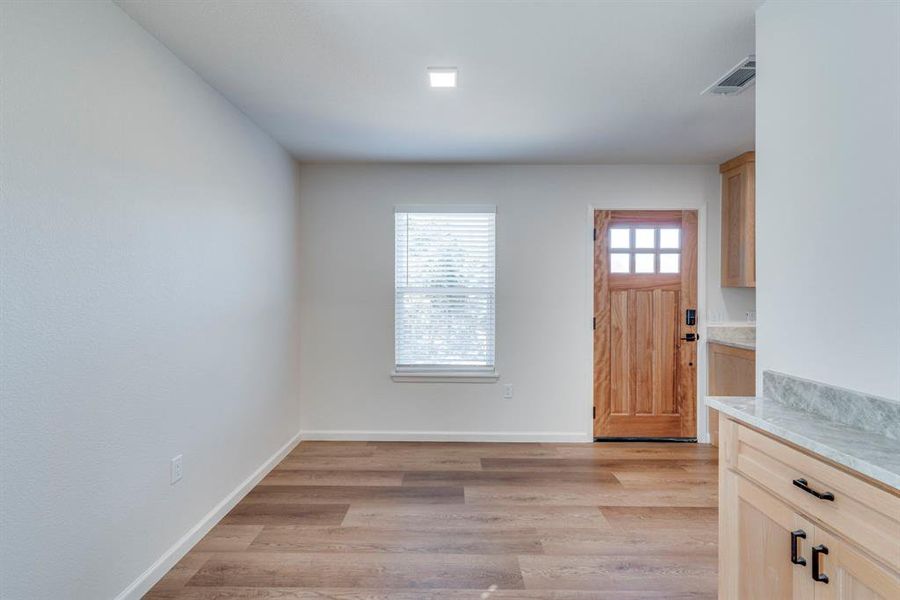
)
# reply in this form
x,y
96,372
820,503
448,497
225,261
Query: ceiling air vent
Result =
x,y
736,80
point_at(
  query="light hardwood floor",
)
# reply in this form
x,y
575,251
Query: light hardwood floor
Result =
x,y
455,521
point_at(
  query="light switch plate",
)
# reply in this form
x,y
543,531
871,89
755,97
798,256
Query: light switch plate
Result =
x,y
176,471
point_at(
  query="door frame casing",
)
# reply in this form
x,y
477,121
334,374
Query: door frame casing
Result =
x,y
701,416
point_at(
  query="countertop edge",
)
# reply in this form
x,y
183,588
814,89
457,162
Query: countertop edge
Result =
x,y
740,345
854,463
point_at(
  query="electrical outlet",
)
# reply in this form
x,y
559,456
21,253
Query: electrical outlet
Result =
x,y
507,390
176,470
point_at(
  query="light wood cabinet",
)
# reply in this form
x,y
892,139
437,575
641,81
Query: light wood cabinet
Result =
x,y
739,221
731,372
851,574
777,541
766,529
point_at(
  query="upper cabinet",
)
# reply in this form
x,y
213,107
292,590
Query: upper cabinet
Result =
x,y
739,221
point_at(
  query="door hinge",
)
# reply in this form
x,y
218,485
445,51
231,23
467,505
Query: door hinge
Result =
x,y
595,413
595,323
595,234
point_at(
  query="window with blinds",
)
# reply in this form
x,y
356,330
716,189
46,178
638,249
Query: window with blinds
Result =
x,y
445,271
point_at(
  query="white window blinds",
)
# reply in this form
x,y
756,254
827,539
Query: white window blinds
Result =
x,y
444,289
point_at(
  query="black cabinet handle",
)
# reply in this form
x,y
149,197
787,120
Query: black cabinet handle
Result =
x,y
804,485
795,535
816,574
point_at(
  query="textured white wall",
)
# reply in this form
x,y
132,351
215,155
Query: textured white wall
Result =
x,y
544,341
828,192
147,260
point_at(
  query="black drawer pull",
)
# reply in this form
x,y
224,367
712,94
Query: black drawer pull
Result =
x,y
804,485
816,551
795,535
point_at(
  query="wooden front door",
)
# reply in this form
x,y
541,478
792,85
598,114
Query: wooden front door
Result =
x,y
645,281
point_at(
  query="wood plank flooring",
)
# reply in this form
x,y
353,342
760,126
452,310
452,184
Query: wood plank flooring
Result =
x,y
465,521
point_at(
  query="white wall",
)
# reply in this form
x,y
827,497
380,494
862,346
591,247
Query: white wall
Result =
x,y
544,286
147,259
828,192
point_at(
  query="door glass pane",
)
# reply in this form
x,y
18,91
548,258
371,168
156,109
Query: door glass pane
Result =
x,y
619,263
668,263
644,238
644,263
619,238
669,238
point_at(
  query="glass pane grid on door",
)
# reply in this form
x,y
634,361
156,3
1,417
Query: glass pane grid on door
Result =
x,y
644,250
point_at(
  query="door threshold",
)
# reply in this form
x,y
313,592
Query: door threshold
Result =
x,y
692,440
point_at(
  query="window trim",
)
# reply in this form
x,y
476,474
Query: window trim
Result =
x,y
445,208
432,375
436,373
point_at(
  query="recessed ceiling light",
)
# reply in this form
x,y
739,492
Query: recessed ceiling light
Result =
x,y
442,77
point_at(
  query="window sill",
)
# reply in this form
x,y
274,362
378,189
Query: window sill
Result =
x,y
445,376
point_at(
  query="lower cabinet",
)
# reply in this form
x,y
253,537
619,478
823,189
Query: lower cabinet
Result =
x,y
763,544
850,573
770,550
731,372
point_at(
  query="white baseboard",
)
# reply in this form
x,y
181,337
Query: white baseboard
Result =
x,y
445,436
148,578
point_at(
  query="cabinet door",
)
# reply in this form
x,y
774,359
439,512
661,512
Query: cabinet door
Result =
x,y
851,575
731,372
755,545
739,226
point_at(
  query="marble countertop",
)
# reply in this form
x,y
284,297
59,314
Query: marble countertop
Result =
x,y
734,344
865,452
738,336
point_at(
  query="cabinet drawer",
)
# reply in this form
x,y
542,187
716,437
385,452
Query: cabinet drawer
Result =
x,y
863,513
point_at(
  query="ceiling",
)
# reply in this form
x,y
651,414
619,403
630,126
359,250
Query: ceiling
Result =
x,y
539,82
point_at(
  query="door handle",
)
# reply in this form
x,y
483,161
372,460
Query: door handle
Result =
x,y
817,575
804,485
690,337
795,535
